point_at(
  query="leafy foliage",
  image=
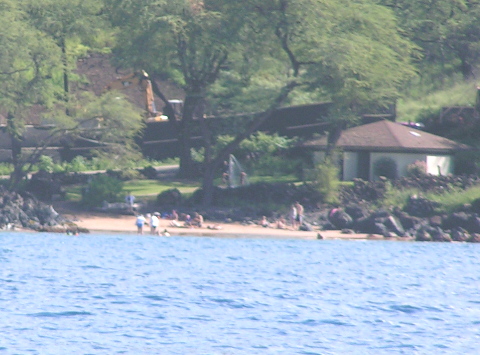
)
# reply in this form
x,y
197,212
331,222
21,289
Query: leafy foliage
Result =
x,y
446,35
102,188
325,178
276,165
170,197
417,169
45,163
256,145
467,163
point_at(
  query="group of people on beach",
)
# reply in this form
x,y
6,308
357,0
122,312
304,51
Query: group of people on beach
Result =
x,y
296,215
153,220
295,218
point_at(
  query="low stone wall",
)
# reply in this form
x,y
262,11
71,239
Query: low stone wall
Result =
x,y
370,191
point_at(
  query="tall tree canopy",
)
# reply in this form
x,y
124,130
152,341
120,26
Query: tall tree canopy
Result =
x,y
188,41
349,52
71,24
446,31
30,68
27,62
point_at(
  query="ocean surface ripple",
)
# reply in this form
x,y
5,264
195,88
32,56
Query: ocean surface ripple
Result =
x,y
124,294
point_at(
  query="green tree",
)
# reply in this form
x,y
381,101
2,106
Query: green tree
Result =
x,y
325,178
110,122
101,188
188,41
349,52
27,64
30,65
447,33
72,24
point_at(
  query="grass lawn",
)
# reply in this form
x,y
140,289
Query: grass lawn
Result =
x,y
154,187
145,189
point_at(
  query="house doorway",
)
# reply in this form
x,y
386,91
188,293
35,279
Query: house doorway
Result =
x,y
363,167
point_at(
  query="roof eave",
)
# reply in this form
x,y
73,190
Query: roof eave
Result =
x,y
394,149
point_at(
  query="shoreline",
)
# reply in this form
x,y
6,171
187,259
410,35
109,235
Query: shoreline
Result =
x,y
125,224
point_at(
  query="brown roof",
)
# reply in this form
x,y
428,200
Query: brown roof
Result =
x,y
390,136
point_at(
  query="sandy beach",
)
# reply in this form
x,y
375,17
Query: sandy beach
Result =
x,y
113,223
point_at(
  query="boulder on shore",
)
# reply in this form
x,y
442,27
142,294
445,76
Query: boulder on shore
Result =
x,y
23,210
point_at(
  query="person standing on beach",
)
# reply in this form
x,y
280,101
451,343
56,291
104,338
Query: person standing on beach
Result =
x,y
243,178
292,215
130,200
154,221
300,212
140,222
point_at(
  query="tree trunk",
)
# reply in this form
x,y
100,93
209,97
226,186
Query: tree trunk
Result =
x,y
207,185
66,84
186,168
16,141
333,136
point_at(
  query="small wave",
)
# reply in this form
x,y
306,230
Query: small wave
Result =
x,y
7,280
200,318
334,322
433,309
155,298
234,258
313,322
437,319
399,346
60,314
441,346
231,303
91,267
130,335
406,308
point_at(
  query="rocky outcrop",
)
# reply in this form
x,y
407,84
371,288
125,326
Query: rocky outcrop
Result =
x,y
23,210
458,226
418,220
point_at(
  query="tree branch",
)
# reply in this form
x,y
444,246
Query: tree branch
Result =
x,y
257,122
13,72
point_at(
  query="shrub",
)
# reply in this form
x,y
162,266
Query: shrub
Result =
x,y
325,179
102,188
417,169
272,165
150,172
386,167
171,197
125,174
77,164
467,163
6,168
45,163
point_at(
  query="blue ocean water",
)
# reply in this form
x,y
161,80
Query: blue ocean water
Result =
x,y
125,294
